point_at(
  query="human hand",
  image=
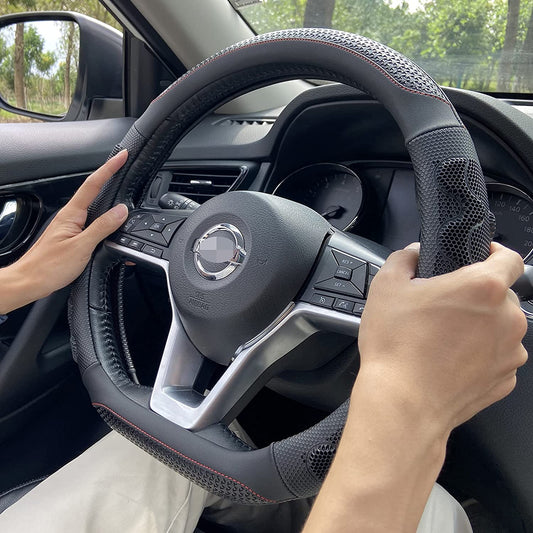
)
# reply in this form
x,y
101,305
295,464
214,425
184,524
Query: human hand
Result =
x,y
61,253
448,346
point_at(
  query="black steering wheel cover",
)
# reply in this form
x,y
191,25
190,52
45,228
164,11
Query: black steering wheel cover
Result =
x,y
452,210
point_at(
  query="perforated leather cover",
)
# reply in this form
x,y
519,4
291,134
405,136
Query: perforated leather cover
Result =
x,y
451,196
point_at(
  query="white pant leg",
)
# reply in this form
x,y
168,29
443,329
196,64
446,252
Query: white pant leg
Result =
x,y
443,514
114,487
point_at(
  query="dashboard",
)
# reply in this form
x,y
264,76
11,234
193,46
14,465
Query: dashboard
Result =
x,y
341,153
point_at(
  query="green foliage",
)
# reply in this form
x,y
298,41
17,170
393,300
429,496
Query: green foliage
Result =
x,y
459,42
44,70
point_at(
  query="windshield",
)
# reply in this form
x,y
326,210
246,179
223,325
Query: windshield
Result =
x,y
483,45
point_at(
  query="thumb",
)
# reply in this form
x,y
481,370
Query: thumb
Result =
x,y
104,225
402,264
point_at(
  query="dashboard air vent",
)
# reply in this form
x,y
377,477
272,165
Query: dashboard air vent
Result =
x,y
201,184
245,121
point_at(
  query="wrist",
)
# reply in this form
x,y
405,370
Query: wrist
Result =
x,y
409,401
16,288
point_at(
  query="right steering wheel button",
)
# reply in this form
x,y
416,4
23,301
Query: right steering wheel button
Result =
x,y
322,300
343,273
343,305
340,286
347,261
359,278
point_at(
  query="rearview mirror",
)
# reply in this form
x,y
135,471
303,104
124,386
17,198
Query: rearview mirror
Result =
x,y
39,65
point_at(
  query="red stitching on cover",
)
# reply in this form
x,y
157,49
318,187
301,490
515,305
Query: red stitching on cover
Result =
x,y
96,404
288,39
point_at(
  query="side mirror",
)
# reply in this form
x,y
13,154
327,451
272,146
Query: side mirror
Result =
x,y
52,67
39,65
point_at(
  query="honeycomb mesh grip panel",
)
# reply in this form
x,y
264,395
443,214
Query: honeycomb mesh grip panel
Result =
x,y
303,460
456,223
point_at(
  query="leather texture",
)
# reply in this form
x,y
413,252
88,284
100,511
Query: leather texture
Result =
x,y
11,496
448,175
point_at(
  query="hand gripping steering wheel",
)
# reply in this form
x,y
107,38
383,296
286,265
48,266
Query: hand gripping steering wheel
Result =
x,y
245,270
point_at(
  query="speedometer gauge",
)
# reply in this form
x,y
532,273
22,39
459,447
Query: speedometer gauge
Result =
x,y
334,191
513,210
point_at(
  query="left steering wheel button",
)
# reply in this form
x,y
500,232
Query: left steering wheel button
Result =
x,y
170,229
152,236
131,222
135,245
143,223
152,250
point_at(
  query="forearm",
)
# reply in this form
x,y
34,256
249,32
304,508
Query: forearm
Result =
x,y
386,465
16,288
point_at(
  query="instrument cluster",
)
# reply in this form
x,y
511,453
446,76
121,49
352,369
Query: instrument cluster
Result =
x,y
340,195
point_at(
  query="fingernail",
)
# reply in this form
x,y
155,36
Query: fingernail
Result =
x,y
413,246
120,154
120,211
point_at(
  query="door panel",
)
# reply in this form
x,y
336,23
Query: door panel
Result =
x,y
45,163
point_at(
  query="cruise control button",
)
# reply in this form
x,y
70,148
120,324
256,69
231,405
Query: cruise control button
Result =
x,y
343,273
346,260
359,278
341,286
322,301
151,250
343,305
135,245
152,236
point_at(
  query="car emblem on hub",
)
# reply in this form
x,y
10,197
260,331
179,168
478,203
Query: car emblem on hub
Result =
x,y
219,251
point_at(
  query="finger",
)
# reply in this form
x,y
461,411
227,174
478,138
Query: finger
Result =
x,y
103,226
505,263
513,297
402,264
92,185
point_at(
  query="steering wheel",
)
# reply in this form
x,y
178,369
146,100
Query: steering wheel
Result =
x,y
249,274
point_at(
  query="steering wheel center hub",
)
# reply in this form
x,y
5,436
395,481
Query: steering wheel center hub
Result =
x,y
219,251
238,261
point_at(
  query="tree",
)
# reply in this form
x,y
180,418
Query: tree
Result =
x,y
509,46
19,67
71,30
525,81
319,13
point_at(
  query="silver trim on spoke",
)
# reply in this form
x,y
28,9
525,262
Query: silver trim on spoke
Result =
x,y
174,397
